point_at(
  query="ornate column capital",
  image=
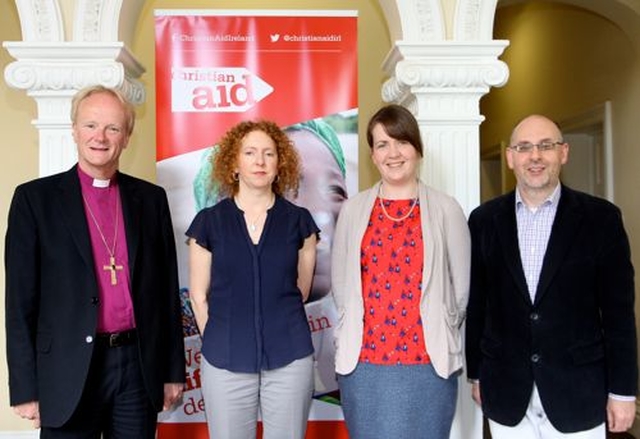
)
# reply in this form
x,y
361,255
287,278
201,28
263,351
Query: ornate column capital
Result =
x,y
52,72
64,67
442,82
444,69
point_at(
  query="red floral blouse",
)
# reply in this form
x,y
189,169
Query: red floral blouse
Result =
x,y
391,263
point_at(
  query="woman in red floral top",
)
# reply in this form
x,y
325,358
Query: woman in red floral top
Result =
x,y
400,276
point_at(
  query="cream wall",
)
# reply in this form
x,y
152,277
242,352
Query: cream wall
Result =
x,y
563,61
20,140
19,149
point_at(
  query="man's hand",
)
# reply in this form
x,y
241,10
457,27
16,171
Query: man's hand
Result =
x,y
620,414
29,410
172,394
475,392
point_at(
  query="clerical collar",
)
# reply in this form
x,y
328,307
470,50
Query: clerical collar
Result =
x,y
98,183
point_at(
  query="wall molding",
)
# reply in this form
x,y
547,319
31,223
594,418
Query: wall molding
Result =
x,y
33,434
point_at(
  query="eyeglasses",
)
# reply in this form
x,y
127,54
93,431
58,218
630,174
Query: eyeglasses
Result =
x,y
545,145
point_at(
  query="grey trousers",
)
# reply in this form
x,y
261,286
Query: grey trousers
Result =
x,y
282,396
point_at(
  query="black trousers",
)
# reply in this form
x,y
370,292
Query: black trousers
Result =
x,y
114,403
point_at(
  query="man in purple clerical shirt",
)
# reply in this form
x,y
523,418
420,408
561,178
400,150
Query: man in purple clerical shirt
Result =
x,y
94,336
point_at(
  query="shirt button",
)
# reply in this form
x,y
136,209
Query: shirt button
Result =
x,y
94,300
534,316
535,358
89,339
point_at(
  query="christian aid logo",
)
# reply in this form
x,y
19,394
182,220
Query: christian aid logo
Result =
x,y
224,89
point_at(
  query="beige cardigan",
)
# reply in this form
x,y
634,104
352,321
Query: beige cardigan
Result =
x,y
445,278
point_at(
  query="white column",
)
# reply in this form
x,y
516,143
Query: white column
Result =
x,y
51,67
442,61
442,82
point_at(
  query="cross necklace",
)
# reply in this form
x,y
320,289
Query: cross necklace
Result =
x,y
112,267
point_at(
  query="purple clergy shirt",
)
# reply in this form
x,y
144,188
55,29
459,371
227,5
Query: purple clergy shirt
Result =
x,y
101,200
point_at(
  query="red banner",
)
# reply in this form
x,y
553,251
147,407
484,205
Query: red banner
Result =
x,y
299,69
212,71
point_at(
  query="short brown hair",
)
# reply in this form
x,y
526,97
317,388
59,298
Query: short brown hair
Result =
x,y
225,157
399,123
127,107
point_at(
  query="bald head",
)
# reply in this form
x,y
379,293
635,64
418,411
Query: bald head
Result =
x,y
532,126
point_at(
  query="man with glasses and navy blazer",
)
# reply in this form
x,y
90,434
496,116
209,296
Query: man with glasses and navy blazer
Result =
x,y
550,334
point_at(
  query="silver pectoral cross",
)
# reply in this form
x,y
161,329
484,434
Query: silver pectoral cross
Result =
x,y
112,267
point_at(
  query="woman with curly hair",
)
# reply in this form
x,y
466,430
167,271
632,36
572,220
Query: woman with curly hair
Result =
x,y
252,257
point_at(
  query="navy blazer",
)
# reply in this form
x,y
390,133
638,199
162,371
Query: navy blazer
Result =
x,y
52,292
577,340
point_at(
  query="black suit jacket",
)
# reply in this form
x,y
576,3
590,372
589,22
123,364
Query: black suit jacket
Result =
x,y
52,293
577,341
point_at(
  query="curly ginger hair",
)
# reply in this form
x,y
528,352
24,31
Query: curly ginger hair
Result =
x,y
225,159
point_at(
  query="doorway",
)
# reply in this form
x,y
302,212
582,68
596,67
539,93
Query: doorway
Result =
x,y
590,165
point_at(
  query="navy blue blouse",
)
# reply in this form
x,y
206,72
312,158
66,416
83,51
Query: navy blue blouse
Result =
x,y
256,315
